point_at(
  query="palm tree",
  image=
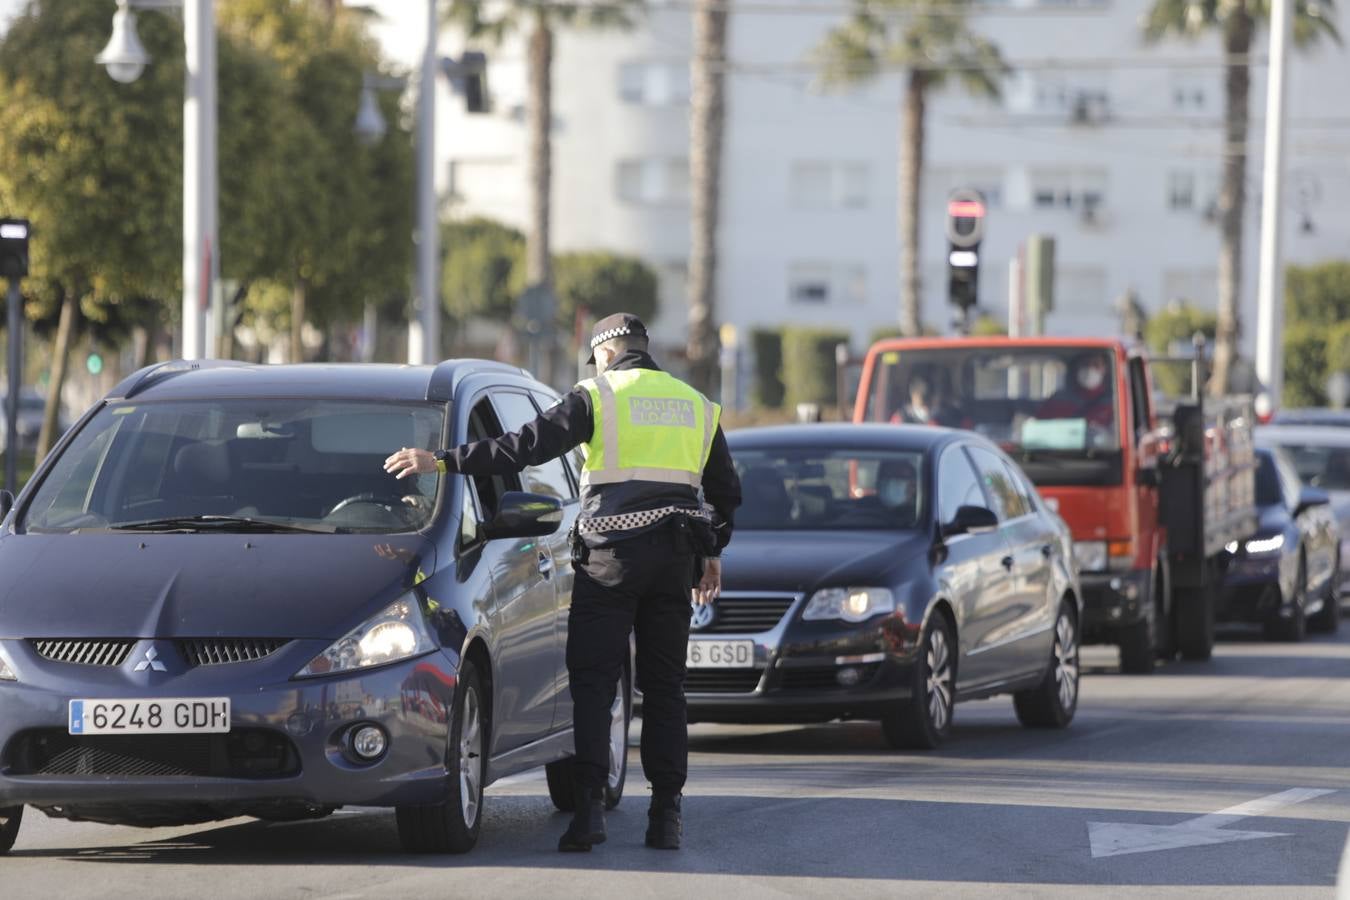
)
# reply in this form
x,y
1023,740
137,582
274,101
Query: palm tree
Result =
x,y
931,47
493,21
1237,20
706,116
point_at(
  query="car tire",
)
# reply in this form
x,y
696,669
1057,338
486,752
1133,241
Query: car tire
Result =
x,y
924,720
1195,623
561,775
1328,619
452,826
11,817
1294,627
1052,703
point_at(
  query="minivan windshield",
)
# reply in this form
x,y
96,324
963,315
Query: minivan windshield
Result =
x,y
823,489
241,465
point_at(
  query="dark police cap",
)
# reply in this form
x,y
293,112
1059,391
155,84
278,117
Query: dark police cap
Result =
x,y
617,325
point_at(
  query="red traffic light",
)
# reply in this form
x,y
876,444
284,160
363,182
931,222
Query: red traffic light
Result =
x,y
965,209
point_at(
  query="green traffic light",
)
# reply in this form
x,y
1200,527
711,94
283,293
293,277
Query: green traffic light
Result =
x,y
94,364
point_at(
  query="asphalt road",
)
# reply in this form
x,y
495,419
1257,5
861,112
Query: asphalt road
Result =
x,y
1257,742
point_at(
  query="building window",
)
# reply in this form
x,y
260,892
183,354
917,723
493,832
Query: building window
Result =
x,y
1189,92
820,283
653,182
1083,190
1180,190
816,186
1081,97
654,83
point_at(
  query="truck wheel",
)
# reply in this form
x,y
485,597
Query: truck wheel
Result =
x,y
1138,645
1195,623
561,775
925,719
1052,703
1328,620
453,825
10,819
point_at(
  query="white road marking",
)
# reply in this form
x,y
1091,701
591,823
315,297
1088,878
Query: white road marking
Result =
x,y
1120,838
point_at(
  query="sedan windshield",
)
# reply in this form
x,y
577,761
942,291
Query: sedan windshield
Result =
x,y
1321,466
241,465
817,489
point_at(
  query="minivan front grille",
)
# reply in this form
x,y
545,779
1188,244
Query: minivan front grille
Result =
x,y
85,652
747,615
242,753
221,651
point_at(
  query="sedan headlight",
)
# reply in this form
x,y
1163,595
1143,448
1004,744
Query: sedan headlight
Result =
x,y
855,604
1272,544
1090,555
398,632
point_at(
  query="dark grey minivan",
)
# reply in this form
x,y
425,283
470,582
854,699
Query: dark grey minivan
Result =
x,y
214,602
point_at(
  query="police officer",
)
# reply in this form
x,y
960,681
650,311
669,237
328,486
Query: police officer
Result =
x,y
658,497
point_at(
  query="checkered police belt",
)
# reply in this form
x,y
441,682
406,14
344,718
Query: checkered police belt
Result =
x,y
609,336
626,521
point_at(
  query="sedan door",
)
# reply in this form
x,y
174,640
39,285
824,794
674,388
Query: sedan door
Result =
x,y
974,573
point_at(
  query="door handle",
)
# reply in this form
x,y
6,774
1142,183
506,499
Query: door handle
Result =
x,y
545,565
1008,563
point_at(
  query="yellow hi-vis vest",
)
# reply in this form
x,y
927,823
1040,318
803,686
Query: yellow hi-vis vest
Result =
x,y
648,426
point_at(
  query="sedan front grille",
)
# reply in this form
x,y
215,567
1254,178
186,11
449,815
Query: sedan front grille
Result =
x,y
82,652
747,615
221,651
722,681
242,753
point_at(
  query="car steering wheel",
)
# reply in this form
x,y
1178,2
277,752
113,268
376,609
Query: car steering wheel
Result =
x,y
389,502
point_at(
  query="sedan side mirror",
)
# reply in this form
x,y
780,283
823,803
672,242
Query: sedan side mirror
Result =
x,y
971,520
1309,497
6,503
524,515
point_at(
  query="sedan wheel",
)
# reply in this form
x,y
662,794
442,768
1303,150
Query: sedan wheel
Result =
x,y
1328,620
924,720
453,826
1289,623
1053,702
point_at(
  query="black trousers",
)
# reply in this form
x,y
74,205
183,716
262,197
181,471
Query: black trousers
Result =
x,y
639,585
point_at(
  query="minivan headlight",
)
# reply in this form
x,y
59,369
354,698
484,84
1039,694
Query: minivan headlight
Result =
x,y
399,631
855,604
6,673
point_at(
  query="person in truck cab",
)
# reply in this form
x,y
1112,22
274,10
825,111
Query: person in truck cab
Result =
x,y
928,405
1086,393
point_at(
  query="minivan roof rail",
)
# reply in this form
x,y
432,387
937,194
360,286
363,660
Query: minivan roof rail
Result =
x,y
447,376
142,379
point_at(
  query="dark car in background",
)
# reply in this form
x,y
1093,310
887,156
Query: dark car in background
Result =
x,y
1284,577
32,409
1321,455
217,603
886,572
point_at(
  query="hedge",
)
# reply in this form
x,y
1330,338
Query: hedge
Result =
x,y
809,370
766,390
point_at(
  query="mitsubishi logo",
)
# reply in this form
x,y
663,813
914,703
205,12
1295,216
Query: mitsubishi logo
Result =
x,y
151,662
701,617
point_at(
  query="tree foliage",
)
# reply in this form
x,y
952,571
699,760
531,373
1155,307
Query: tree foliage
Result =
x,y
603,283
1317,294
1177,324
812,375
1317,329
482,269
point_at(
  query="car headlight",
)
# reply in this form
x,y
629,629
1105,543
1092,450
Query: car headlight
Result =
x,y
855,604
1090,555
1270,544
6,673
399,631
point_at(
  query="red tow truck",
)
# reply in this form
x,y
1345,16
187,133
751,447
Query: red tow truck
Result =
x,y
1152,488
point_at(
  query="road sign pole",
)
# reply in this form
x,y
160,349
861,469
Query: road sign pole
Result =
x,y
1269,293
15,325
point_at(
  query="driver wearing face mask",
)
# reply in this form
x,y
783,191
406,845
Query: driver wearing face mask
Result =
x,y
897,488
1085,394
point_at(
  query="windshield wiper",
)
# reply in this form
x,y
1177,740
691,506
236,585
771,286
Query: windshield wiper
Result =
x,y
220,523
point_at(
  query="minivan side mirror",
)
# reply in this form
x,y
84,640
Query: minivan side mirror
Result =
x,y
524,515
6,503
971,520
1309,497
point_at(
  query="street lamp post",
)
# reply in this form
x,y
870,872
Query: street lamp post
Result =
x,y
125,58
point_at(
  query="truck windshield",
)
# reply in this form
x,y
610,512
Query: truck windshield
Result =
x,y
283,465
1051,408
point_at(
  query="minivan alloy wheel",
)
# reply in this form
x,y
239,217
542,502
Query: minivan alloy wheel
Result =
x,y
470,752
939,680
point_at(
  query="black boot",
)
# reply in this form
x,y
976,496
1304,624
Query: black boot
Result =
x,y
665,825
587,827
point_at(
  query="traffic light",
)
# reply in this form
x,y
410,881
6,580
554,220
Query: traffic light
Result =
x,y
13,248
965,229
468,77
